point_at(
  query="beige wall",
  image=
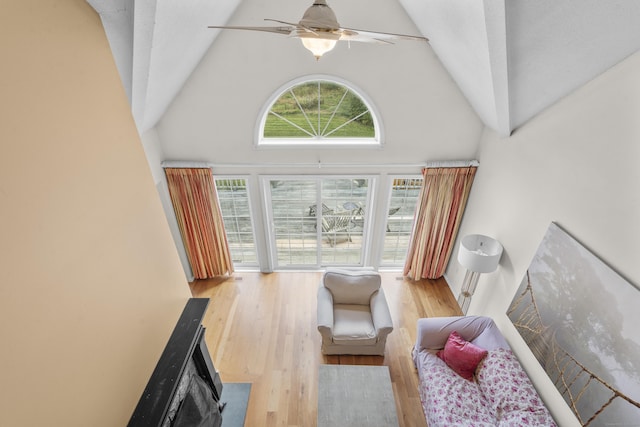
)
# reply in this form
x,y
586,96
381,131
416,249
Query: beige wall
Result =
x,y
575,164
90,282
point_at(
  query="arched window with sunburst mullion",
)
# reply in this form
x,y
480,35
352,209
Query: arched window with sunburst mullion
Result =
x,y
319,112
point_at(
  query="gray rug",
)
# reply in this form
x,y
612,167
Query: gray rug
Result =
x,y
236,396
355,396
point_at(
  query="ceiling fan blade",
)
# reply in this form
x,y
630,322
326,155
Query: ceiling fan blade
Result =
x,y
278,30
281,22
355,37
350,34
297,28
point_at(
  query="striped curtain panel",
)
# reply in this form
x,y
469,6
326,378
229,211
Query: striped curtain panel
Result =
x,y
195,202
442,201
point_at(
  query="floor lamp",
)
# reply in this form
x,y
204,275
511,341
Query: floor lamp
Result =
x,y
478,254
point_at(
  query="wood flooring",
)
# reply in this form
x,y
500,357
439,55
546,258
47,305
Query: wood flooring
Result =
x,y
261,328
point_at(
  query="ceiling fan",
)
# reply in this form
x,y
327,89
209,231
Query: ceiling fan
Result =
x,y
319,30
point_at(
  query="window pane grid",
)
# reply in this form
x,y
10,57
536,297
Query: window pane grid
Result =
x,y
402,204
319,111
343,225
294,231
233,198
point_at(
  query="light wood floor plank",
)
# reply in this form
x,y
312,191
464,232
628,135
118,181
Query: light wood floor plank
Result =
x,y
261,328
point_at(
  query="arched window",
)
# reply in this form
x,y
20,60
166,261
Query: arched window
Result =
x,y
319,111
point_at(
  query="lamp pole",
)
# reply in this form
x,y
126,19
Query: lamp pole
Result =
x,y
478,254
468,288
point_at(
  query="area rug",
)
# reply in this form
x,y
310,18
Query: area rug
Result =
x,y
236,397
355,396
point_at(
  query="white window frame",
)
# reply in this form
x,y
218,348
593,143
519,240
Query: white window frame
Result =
x,y
318,142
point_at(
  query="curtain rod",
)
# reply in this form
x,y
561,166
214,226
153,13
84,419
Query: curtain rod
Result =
x,y
320,165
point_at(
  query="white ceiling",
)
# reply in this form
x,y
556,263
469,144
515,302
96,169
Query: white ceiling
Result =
x,y
511,59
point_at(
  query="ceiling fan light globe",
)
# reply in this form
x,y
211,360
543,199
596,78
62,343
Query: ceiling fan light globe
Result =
x,y
318,46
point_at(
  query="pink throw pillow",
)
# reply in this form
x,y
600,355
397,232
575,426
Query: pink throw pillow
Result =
x,y
461,355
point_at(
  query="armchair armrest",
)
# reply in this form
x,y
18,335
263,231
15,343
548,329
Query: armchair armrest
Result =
x,y
325,312
380,314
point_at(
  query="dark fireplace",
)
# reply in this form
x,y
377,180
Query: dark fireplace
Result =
x,y
195,403
184,389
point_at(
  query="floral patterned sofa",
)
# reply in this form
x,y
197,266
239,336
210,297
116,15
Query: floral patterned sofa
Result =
x,y
468,376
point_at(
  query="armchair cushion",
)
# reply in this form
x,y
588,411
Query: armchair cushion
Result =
x,y
351,287
352,322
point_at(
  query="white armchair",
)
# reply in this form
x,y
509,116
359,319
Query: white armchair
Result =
x,y
353,315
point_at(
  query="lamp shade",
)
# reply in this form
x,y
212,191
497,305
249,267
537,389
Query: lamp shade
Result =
x,y
479,253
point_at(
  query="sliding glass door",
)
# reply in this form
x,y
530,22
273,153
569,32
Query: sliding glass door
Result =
x,y
315,221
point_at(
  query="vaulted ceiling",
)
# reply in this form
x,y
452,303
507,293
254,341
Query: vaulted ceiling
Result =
x,y
511,59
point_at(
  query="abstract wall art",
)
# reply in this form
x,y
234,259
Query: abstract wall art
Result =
x,y
581,320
